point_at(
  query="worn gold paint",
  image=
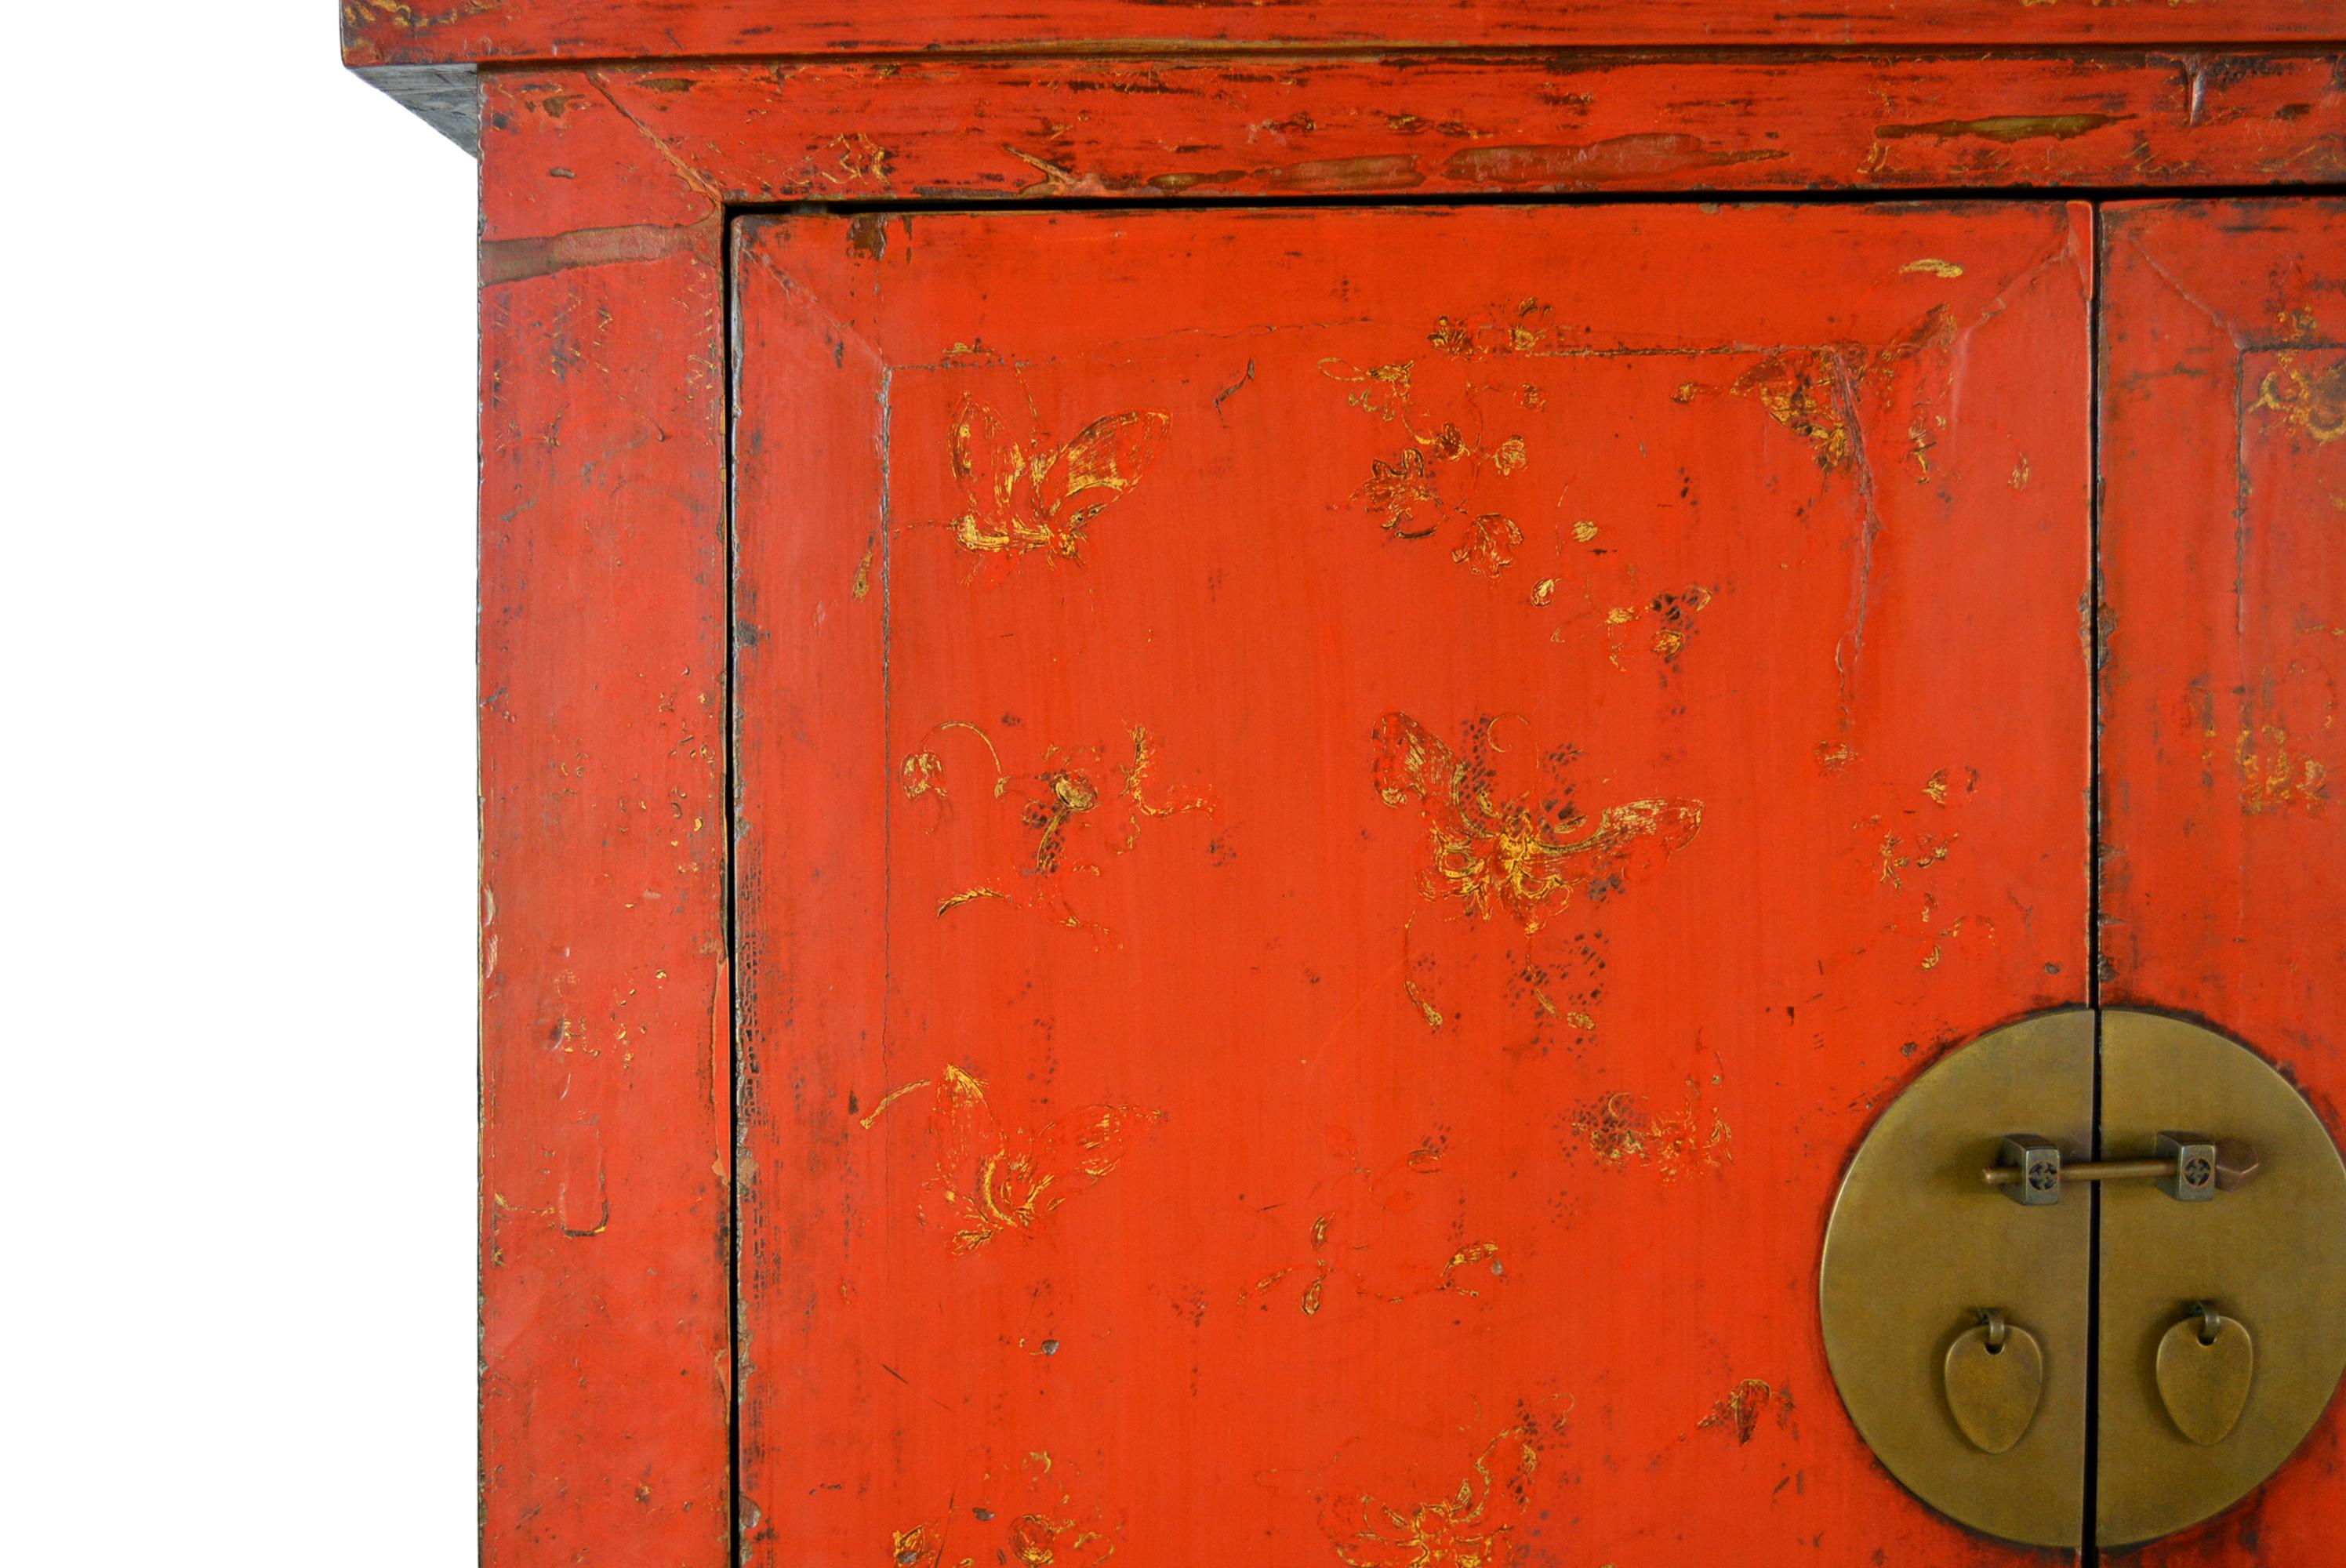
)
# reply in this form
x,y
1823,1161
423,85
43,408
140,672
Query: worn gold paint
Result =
x,y
1934,266
922,1546
2310,400
1927,850
1074,797
1039,1541
1482,1252
1812,392
1354,1244
986,1182
2273,780
1801,390
1620,1129
1744,1404
1435,480
1039,495
1490,855
1471,1527
1485,549
1048,1530
856,159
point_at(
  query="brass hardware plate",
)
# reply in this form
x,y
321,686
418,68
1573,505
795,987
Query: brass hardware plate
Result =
x,y
2272,1255
1918,1245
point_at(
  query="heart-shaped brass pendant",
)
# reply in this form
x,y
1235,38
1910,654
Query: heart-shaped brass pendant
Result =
x,y
2205,1365
1993,1388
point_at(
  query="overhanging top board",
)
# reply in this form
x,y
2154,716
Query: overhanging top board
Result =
x,y
443,32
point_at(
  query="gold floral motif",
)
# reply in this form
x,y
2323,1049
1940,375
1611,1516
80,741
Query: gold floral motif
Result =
x,y
1620,1129
2311,399
1076,806
1051,1531
1471,1527
1744,1404
1804,390
988,1182
1037,495
1354,1244
1813,391
1434,480
2272,778
1490,855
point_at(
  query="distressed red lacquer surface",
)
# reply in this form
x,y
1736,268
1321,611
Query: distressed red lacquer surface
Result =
x,y
1343,818
605,1141
1150,130
604,1012
433,31
2224,545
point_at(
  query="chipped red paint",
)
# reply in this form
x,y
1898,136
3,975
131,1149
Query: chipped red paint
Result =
x,y
1931,874
1160,129
604,1010
2224,545
1340,1208
442,31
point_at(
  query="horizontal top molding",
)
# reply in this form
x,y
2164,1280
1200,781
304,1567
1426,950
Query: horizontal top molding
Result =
x,y
451,32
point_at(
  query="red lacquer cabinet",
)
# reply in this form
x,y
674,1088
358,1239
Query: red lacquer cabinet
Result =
x,y
1228,753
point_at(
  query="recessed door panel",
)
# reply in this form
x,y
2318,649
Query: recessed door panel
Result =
x,y
1345,815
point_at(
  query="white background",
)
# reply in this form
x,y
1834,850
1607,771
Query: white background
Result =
x,y
236,853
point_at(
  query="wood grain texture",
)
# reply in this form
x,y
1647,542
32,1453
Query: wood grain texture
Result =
x,y
1152,130
2224,554
380,32
1347,816
606,1020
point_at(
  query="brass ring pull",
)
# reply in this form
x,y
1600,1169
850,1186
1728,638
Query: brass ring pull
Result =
x,y
2188,1167
1994,1378
2205,1367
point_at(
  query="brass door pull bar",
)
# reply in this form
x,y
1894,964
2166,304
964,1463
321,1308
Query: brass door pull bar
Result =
x,y
2188,1167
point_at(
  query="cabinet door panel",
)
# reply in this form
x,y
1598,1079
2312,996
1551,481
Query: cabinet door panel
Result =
x,y
2224,552
1344,817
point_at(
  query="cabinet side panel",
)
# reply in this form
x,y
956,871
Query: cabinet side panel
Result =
x,y
2224,555
605,1018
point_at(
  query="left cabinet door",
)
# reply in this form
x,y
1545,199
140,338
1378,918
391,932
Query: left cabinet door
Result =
x,y
1343,817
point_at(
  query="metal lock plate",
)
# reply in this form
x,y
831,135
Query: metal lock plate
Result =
x,y
1919,1246
2221,1274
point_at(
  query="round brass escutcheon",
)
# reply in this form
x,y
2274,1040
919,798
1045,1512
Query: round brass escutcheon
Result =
x,y
1919,1248
2221,1271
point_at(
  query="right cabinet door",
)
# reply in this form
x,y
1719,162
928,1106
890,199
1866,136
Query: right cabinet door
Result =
x,y
2223,636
